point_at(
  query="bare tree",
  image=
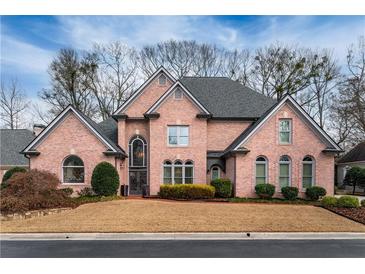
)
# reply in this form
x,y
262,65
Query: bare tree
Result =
x,y
111,72
13,103
280,69
324,81
208,61
68,84
238,65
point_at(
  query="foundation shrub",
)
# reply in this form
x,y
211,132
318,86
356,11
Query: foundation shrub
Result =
x,y
314,193
290,192
33,190
86,192
363,203
348,201
10,173
265,191
105,179
329,201
223,187
188,191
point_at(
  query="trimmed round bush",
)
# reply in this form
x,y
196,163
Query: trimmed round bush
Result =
x,y
363,203
329,201
348,201
187,192
105,179
33,190
265,191
315,192
290,192
10,173
86,192
223,187
68,191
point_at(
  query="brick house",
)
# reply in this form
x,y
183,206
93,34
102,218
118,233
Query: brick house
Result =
x,y
190,130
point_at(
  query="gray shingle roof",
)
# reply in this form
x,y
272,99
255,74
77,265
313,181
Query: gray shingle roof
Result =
x,y
12,141
357,154
225,98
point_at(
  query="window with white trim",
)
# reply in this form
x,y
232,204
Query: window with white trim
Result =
x,y
178,94
73,170
285,134
284,171
215,173
178,172
308,172
162,80
261,170
178,135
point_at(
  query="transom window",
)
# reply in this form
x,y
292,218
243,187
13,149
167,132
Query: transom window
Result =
x,y
261,170
73,170
284,171
285,126
162,80
178,94
178,172
215,173
137,152
308,172
178,135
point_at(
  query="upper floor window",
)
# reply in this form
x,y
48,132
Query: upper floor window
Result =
x,y
162,80
178,94
285,127
284,171
73,170
215,173
178,172
308,172
137,152
261,170
178,135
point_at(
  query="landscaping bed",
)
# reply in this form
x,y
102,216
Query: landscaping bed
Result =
x,y
273,201
356,214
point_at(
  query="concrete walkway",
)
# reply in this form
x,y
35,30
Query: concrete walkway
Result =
x,y
180,236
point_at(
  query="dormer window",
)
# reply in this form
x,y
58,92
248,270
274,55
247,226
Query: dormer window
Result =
x,y
178,94
162,80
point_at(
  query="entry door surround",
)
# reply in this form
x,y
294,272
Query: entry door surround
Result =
x,y
137,168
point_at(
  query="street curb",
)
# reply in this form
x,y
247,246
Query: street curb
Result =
x,y
182,236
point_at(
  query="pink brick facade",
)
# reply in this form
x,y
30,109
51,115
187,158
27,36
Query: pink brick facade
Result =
x,y
205,135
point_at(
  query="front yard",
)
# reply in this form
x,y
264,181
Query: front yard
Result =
x,y
170,216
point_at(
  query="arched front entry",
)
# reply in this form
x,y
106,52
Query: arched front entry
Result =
x,y
137,166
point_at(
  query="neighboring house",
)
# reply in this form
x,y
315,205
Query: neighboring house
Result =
x,y
12,142
191,131
355,157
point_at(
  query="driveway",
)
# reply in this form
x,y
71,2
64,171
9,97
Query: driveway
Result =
x,y
170,216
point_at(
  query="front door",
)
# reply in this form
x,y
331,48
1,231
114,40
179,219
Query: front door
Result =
x,y
137,181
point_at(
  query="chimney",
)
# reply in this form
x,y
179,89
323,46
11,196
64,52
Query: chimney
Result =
x,y
37,128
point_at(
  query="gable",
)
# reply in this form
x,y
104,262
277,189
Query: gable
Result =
x,y
86,122
170,92
287,101
146,95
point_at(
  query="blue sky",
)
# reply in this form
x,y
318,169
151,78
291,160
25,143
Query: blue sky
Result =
x,y
28,43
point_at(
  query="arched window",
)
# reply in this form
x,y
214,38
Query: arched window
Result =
x,y
215,173
308,172
73,170
178,172
284,171
261,170
167,172
162,80
137,152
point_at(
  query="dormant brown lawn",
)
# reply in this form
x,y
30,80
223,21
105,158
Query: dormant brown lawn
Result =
x,y
169,216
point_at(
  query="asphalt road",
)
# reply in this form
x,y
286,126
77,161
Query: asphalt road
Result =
x,y
183,249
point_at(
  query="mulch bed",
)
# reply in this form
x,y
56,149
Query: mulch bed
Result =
x,y
355,214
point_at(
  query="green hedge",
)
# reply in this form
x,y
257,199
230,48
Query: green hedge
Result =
x,y
329,201
223,187
188,191
105,179
363,203
348,201
265,190
315,192
290,192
